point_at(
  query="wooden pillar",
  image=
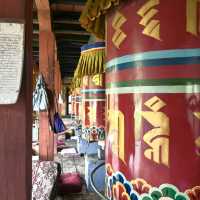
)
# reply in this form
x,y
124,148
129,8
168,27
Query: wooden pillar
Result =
x,y
46,57
57,71
47,68
58,84
16,119
67,101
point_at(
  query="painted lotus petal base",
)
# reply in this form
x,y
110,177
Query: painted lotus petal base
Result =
x,y
118,187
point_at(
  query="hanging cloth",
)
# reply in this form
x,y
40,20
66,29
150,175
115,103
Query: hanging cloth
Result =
x,y
40,99
59,126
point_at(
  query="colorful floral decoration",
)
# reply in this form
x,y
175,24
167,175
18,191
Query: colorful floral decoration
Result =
x,y
194,193
94,133
86,132
141,186
101,133
119,188
164,192
109,170
78,128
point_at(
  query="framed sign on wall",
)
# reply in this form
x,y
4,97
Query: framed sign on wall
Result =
x,y
11,60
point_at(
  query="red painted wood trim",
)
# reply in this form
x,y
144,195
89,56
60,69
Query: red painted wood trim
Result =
x,y
47,68
15,120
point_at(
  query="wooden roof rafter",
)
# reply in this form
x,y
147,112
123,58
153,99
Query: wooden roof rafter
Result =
x,y
67,7
62,18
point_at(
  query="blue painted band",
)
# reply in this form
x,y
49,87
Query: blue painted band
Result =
x,y
156,63
91,46
152,55
93,91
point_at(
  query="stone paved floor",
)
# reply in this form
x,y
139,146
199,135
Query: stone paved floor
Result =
x,y
73,164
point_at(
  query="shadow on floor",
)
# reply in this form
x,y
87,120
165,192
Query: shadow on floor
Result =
x,y
72,163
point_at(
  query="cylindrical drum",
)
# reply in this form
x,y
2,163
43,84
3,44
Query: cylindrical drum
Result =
x,y
153,100
77,104
93,107
73,105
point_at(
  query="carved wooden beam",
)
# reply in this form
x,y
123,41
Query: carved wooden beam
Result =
x,y
67,7
65,21
66,32
61,21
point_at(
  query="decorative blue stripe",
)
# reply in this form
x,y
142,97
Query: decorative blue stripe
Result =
x,y
170,89
151,55
156,63
94,45
93,91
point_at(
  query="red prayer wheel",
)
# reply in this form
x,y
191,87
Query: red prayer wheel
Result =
x,y
73,104
153,101
77,105
93,107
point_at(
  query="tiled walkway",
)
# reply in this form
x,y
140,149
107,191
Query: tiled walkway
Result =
x,y
71,164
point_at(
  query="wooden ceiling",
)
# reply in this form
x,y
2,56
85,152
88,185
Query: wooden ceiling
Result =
x,y
69,34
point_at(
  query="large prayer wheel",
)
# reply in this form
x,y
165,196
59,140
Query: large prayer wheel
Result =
x,y
153,100
93,107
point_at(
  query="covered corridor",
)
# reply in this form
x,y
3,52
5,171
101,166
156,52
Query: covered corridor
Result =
x,y
99,99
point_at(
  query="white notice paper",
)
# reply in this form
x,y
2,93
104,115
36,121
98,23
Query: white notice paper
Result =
x,y
11,61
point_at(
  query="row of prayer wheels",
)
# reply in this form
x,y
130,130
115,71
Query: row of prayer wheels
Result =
x,y
88,106
88,101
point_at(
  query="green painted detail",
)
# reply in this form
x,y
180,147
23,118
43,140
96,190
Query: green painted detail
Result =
x,y
169,192
94,97
181,196
146,197
156,194
153,82
165,190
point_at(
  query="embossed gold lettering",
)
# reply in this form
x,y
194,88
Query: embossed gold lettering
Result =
x,y
97,79
152,26
116,132
192,25
119,36
157,138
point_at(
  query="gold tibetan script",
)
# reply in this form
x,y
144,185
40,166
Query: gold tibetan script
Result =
x,y
152,26
97,79
85,81
116,132
92,114
158,137
119,36
197,140
192,25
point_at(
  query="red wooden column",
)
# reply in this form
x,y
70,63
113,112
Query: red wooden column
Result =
x,y
57,92
47,67
46,64
58,83
16,120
